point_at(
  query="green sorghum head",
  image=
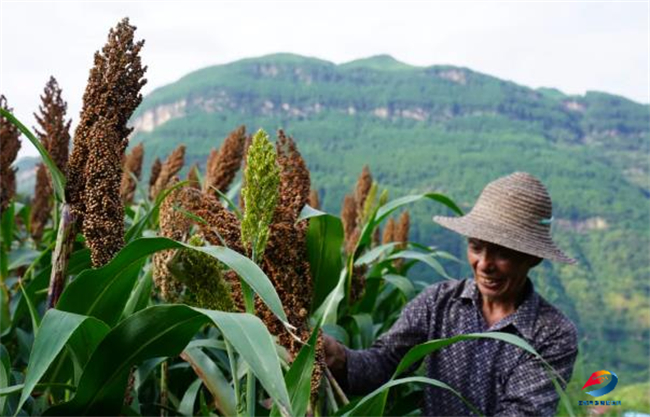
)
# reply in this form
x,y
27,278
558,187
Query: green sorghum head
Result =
x,y
203,277
260,194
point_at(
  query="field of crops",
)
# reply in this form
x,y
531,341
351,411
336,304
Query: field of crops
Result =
x,y
205,295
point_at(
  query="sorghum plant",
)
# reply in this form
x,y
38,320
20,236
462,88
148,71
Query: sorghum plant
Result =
x,y
9,146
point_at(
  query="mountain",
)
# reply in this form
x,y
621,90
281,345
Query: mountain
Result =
x,y
451,129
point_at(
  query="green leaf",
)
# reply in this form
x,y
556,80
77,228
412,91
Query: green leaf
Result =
x,y
324,240
141,294
5,375
422,257
58,180
5,315
298,379
401,283
374,403
327,312
214,381
21,257
164,330
189,398
308,212
57,328
104,292
250,338
372,255
365,330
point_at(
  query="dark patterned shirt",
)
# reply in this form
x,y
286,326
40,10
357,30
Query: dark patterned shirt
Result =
x,y
496,377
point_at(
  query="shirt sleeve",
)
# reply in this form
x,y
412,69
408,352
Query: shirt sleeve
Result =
x,y
529,390
368,369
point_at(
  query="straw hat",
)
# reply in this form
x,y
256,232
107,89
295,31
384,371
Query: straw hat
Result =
x,y
514,211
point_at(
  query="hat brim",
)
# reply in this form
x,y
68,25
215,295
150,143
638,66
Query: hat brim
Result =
x,y
476,228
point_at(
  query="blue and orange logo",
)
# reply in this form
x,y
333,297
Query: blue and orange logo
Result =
x,y
600,377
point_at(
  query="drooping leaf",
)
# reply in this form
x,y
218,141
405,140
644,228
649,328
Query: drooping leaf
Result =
x,y
104,292
165,330
422,257
186,407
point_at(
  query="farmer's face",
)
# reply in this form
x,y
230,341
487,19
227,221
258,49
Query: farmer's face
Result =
x,y
500,273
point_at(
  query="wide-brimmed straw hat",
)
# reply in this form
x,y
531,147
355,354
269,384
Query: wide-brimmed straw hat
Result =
x,y
514,211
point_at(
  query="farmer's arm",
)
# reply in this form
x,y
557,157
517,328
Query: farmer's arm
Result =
x,y
362,371
529,390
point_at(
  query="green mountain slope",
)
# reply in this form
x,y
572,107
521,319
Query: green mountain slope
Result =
x,y
452,129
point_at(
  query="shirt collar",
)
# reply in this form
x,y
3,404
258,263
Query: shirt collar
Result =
x,y
523,319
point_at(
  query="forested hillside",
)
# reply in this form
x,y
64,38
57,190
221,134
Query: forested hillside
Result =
x,y
451,129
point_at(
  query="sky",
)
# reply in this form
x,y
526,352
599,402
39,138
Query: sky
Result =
x,y
572,46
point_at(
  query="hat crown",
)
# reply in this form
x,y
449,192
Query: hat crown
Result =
x,y
519,197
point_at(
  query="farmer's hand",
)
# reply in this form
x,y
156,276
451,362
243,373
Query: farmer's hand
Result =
x,y
335,357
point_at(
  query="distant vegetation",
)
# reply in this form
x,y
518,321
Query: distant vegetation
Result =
x,y
452,129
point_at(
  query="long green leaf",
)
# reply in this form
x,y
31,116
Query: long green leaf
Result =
x,y
5,375
324,240
327,312
374,403
298,379
213,379
372,255
165,330
57,328
422,257
58,180
189,398
104,292
402,283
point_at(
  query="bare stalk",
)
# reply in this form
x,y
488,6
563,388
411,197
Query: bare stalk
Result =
x,y
64,242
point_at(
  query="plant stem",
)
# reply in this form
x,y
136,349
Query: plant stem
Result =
x,y
235,380
336,387
64,242
164,367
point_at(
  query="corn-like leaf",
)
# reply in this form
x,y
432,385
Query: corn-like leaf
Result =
x,y
104,292
214,381
165,330
422,257
324,240
56,330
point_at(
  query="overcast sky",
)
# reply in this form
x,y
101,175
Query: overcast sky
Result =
x,y
572,46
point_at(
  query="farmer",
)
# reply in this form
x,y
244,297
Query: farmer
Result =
x,y
508,233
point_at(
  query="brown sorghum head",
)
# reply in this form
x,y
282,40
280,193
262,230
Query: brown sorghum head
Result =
x,y
314,201
155,172
193,177
111,96
132,168
9,146
172,165
294,180
402,230
364,184
389,232
349,220
41,203
224,166
54,130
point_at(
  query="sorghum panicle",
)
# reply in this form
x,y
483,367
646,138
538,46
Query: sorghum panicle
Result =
x,y
295,181
260,193
111,96
172,165
193,177
132,168
41,203
314,201
9,146
155,172
54,131
224,167
389,232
